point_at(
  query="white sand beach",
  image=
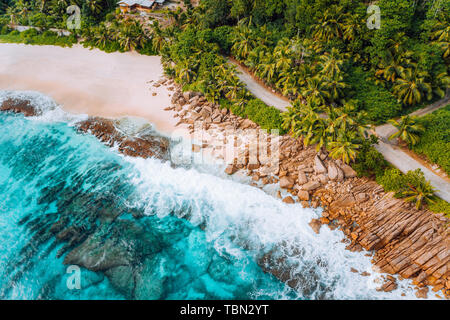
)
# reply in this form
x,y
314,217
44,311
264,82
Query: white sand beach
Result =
x,y
89,81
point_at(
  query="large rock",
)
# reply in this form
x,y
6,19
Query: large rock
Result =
x,y
312,185
315,225
19,106
302,179
187,95
323,178
231,169
319,166
146,146
150,281
100,253
334,172
121,278
286,183
289,200
303,195
348,171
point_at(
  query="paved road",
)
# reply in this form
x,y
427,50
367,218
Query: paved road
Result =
x,y
260,91
391,153
404,163
386,130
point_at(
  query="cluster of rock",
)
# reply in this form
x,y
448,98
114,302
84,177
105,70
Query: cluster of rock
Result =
x,y
144,146
19,106
300,170
409,242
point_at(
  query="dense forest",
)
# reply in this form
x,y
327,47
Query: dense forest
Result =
x,y
322,55
342,73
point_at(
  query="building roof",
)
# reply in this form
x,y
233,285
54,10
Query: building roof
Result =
x,y
144,3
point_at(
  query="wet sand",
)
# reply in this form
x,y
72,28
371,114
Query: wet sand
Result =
x,y
90,82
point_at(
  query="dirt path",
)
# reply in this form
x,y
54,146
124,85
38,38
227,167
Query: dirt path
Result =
x,y
393,154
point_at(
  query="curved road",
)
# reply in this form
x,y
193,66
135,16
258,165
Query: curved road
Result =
x,y
391,153
259,91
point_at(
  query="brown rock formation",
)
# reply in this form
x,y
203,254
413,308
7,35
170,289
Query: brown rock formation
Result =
x,y
19,106
144,147
409,242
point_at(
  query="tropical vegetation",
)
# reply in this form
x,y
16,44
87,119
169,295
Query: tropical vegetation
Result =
x,y
434,141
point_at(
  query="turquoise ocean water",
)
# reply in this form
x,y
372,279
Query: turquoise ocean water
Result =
x,y
149,230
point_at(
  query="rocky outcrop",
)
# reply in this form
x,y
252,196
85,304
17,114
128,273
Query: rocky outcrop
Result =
x,y
409,242
286,183
145,146
19,106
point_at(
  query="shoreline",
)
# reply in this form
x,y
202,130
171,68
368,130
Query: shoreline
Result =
x,y
84,81
338,204
320,171
407,242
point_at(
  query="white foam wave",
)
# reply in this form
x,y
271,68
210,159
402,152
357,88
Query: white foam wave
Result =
x,y
47,109
258,222
229,209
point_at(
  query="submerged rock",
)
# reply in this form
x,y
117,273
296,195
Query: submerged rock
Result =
x,y
121,244
149,284
122,280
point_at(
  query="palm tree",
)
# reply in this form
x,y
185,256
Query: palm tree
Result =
x,y
128,37
267,68
184,71
408,130
288,83
343,149
441,83
316,91
351,27
243,43
12,13
335,87
158,40
393,64
331,63
329,25
396,43
411,87
101,36
283,54
255,57
95,6
423,192
441,37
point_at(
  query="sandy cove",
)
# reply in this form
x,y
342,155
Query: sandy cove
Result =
x,y
90,82
408,242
